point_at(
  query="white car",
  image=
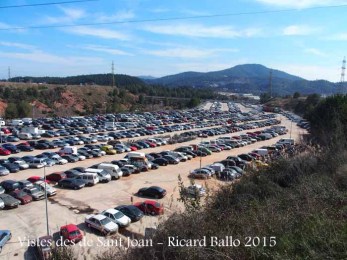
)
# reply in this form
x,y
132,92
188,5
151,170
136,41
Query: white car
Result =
x,y
81,157
22,164
41,186
196,190
118,217
101,223
58,160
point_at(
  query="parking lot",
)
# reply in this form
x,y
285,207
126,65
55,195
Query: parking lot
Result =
x,y
70,206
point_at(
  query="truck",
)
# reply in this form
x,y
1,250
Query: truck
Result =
x,y
138,159
32,130
110,125
112,169
68,150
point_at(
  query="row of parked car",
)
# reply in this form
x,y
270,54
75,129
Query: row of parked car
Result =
x,y
232,167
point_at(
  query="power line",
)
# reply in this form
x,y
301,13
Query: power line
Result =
x,y
171,18
42,4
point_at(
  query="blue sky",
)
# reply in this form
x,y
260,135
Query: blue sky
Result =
x,y
306,42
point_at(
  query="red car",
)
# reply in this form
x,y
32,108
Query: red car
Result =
x,y
22,196
71,233
56,176
150,207
133,148
24,144
151,144
34,179
4,151
5,130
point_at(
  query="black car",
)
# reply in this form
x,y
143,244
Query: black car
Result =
x,y
10,185
71,183
70,158
12,167
152,192
126,171
9,201
131,211
41,146
239,162
246,157
170,159
28,158
13,159
161,161
24,148
72,173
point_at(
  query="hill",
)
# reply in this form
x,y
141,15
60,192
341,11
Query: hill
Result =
x,y
248,78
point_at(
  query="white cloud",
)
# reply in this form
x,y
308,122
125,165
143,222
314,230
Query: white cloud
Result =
x,y
302,3
299,30
17,45
43,57
117,17
338,37
99,33
315,52
70,15
311,72
160,10
108,50
187,52
197,30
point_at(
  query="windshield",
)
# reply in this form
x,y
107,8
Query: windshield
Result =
x,y
74,233
105,221
118,215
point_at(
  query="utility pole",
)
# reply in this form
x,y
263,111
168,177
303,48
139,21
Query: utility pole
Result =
x,y
44,176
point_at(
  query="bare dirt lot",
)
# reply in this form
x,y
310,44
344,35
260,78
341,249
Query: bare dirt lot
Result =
x,y
70,206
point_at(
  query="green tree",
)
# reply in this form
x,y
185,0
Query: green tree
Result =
x,y
11,111
193,102
296,95
24,109
264,97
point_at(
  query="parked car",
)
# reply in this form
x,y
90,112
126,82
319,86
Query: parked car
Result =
x,y
10,185
5,236
9,201
12,167
118,217
3,171
131,211
42,187
195,190
152,192
150,207
4,151
35,193
22,196
101,223
71,183
71,233
55,176
25,184
161,161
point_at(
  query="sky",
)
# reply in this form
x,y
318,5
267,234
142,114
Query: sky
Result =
x,y
306,38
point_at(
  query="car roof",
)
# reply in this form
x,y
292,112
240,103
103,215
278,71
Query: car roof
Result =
x,y
98,216
70,227
152,202
112,211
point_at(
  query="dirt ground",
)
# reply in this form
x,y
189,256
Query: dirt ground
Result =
x,y
70,206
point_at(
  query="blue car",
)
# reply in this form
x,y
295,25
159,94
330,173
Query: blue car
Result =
x,y
5,235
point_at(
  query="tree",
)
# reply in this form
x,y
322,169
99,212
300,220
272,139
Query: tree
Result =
x,y
11,111
264,97
193,102
24,109
296,95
